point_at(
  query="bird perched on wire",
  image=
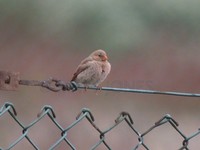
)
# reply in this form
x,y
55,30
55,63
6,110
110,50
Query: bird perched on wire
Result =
x,y
93,70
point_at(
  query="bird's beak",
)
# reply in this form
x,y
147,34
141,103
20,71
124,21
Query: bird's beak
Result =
x,y
105,57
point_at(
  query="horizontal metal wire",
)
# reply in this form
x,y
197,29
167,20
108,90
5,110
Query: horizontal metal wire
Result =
x,y
58,85
141,91
11,81
103,133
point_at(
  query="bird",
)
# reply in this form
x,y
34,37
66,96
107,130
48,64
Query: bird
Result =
x,y
92,70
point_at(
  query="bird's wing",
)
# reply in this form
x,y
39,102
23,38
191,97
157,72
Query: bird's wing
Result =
x,y
83,66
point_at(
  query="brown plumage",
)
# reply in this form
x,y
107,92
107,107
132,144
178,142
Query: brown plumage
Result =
x,y
93,70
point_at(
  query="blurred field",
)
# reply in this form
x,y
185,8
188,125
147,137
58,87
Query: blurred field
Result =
x,y
151,45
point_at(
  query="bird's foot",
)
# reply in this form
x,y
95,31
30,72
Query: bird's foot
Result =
x,y
98,88
86,87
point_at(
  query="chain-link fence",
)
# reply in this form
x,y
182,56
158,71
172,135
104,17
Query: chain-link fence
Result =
x,y
86,114
11,81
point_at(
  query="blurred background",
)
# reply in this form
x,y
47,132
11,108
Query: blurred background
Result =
x,y
151,45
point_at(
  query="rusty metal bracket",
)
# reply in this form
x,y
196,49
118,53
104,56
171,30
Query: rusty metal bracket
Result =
x,y
9,80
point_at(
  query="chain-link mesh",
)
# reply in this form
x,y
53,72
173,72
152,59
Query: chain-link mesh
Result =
x,y
86,114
